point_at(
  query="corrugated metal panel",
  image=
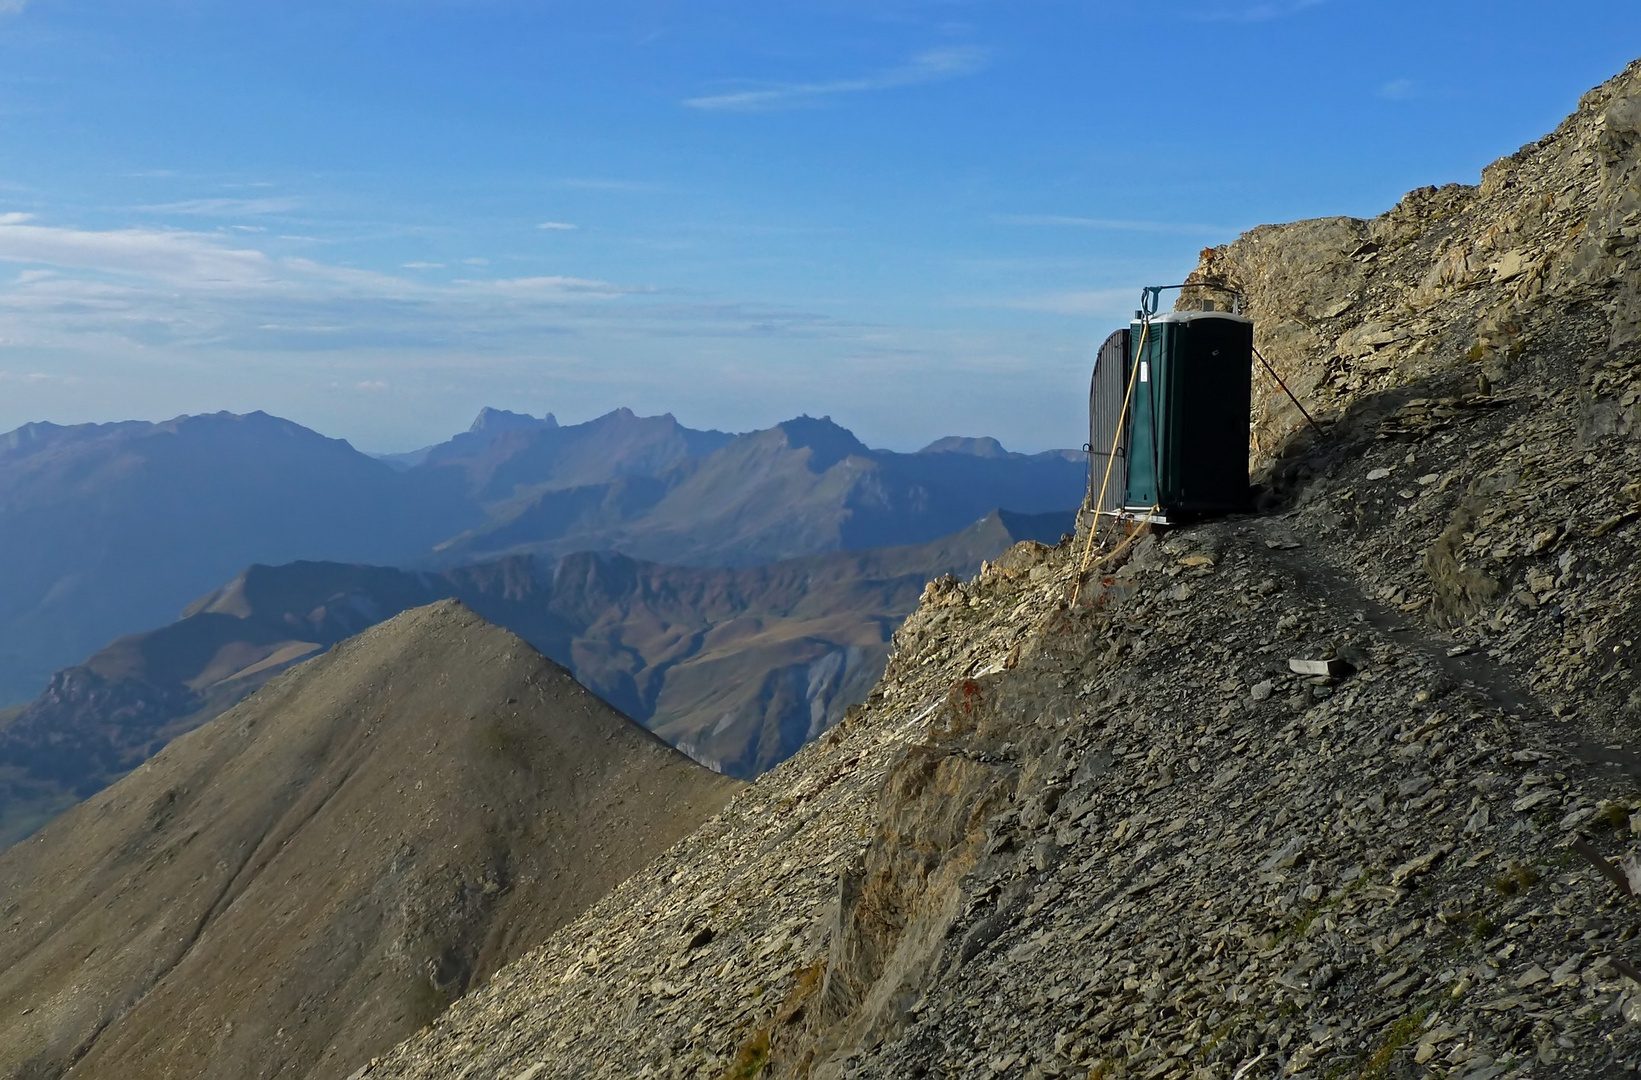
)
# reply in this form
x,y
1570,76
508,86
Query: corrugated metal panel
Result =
x,y
1105,402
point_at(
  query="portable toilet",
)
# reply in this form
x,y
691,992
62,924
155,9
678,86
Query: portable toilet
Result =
x,y
1169,412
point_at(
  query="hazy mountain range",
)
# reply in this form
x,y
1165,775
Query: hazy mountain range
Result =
x,y
738,666
110,529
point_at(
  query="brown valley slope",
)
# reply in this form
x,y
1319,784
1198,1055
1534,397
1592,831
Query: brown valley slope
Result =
x,y
315,874
739,667
1122,838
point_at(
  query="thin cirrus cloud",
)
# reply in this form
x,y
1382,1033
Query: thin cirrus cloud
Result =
x,y
1398,90
12,7
933,65
224,207
557,226
1091,303
594,183
102,292
1177,228
554,286
204,264
1263,12
171,257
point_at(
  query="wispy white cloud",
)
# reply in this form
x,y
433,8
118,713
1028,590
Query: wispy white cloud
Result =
x,y
168,256
1092,303
1261,12
593,183
1399,90
1179,228
421,266
12,7
933,65
225,207
107,292
552,286
557,226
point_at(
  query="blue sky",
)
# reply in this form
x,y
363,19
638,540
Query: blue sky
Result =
x,y
917,216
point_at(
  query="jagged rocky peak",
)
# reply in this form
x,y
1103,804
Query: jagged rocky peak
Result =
x,y
1341,789
319,871
491,421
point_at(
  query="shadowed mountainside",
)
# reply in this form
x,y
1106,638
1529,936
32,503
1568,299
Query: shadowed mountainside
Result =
x,y
322,869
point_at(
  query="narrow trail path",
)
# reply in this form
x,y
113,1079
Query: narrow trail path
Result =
x,y
1469,668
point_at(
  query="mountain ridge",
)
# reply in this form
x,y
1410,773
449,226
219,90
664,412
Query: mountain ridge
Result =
x,y
303,880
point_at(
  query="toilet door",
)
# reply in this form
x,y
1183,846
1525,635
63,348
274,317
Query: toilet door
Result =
x,y
1105,415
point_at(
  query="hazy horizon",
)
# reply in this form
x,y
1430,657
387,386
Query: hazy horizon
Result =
x,y
562,422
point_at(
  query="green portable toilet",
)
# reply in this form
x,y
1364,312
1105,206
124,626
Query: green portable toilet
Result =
x,y
1189,410
1168,415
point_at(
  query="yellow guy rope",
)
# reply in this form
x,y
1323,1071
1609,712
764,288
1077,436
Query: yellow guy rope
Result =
x,y
1111,459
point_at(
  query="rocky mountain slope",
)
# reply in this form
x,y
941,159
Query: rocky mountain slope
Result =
x,y
110,529
738,667
320,870
1098,819
741,667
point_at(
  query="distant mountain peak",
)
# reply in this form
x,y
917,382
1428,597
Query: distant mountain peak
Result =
x,y
624,415
828,442
985,446
30,434
491,421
